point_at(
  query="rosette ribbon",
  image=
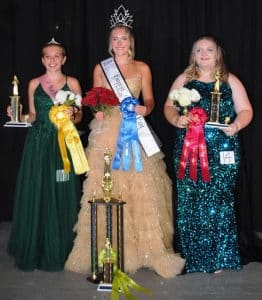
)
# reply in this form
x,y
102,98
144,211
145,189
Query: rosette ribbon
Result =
x,y
194,147
68,137
122,284
128,143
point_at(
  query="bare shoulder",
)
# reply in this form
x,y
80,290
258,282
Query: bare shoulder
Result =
x,y
73,84
98,69
179,81
235,82
141,65
33,83
72,80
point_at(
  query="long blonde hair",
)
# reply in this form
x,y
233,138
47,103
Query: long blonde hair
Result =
x,y
192,71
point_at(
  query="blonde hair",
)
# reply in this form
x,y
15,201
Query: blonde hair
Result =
x,y
60,46
130,32
192,71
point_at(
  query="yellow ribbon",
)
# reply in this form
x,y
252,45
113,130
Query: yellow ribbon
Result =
x,y
68,136
122,284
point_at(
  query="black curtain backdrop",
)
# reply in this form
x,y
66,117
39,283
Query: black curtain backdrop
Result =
x,y
165,31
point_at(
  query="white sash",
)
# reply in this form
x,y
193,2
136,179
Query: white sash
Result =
x,y
119,86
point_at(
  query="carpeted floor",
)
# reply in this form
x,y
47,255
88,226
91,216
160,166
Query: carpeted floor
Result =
x,y
37,285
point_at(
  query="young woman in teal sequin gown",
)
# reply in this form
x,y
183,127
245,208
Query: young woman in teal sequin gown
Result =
x,y
46,200
205,221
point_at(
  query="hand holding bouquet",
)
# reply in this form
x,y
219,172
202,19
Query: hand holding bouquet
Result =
x,y
184,97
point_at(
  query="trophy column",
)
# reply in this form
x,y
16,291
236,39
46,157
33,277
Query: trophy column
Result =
x,y
105,276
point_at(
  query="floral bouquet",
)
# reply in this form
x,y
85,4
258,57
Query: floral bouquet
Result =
x,y
184,97
68,98
100,99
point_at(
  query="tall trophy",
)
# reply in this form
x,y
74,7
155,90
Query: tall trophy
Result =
x,y
215,105
15,107
103,274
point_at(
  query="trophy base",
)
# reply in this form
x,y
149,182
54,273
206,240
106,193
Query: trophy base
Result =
x,y
104,287
215,125
17,124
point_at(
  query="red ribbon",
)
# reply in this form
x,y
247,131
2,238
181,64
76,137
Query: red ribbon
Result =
x,y
195,146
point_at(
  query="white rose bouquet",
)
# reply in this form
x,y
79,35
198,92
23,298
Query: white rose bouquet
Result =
x,y
184,97
68,98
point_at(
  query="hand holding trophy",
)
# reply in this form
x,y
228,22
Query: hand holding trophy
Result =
x,y
14,110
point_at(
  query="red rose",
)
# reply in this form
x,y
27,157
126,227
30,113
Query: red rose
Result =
x,y
99,98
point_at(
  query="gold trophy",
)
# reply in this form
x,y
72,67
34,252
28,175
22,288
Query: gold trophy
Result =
x,y
105,276
215,105
107,182
15,107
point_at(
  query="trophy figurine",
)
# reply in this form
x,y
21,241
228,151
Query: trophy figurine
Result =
x,y
15,107
215,104
107,182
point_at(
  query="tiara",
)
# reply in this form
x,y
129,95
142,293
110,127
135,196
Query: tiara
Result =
x,y
121,16
53,42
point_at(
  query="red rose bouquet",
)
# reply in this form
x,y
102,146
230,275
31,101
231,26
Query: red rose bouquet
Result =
x,y
100,99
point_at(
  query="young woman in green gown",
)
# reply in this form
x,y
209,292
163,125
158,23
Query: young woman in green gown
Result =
x,y
46,198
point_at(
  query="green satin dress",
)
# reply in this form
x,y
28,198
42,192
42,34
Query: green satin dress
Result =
x,y
46,199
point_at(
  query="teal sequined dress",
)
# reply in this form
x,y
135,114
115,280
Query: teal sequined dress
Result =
x,y
46,199
206,225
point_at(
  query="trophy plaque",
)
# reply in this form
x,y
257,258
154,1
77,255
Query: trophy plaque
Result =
x,y
215,105
15,107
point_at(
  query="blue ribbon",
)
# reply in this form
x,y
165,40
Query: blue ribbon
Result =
x,y
128,142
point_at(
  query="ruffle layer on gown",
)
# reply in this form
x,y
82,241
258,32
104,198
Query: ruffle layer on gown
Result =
x,y
148,223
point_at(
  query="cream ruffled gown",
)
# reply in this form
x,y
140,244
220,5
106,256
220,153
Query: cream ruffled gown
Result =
x,y
148,224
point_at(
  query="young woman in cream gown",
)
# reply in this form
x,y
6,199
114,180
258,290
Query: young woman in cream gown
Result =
x,y
148,223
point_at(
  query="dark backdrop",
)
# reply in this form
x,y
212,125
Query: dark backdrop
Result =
x,y
164,31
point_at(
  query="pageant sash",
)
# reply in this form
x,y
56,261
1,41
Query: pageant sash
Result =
x,y
194,147
119,86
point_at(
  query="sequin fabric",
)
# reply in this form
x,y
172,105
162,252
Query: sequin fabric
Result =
x,y
205,211
148,222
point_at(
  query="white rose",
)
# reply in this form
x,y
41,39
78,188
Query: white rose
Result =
x,y
61,96
71,96
174,94
195,96
78,100
184,99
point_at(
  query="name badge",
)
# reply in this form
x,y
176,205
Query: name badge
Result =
x,y
61,176
227,157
